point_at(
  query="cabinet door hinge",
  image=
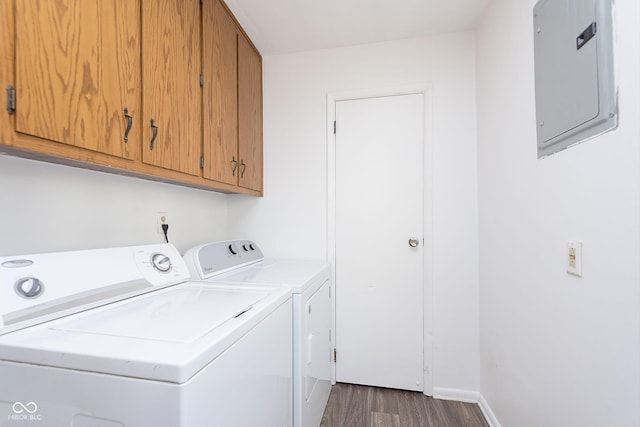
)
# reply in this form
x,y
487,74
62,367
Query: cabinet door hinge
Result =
x,y
201,80
201,162
335,356
334,127
11,100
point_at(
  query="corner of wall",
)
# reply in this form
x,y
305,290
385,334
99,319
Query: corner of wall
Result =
x,y
491,418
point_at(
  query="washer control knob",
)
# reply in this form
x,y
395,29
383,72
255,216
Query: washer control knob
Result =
x,y
161,262
244,247
252,247
233,249
29,287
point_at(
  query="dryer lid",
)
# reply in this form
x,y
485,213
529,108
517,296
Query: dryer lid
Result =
x,y
299,275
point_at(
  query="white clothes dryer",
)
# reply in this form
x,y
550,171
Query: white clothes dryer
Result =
x,y
121,337
241,262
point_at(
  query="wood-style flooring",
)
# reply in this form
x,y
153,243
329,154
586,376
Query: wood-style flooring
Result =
x,y
361,406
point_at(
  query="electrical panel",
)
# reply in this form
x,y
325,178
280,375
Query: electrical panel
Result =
x,y
575,90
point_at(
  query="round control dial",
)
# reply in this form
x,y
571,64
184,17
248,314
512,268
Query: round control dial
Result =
x,y
29,287
161,262
232,249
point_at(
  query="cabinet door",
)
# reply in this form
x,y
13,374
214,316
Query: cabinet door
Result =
x,y
220,94
77,69
172,101
249,115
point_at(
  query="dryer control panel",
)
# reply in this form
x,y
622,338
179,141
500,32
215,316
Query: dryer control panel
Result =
x,y
211,259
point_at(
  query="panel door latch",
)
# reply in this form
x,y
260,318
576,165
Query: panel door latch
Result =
x,y
586,35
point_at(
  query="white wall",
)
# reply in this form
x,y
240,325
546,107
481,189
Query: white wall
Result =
x,y
556,350
46,207
291,220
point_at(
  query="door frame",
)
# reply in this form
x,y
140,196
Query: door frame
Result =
x,y
426,91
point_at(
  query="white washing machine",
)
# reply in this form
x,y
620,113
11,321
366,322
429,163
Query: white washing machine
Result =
x,y
241,262
121,337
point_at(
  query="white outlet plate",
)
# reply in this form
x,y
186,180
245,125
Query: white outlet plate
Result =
x,y
574,257
162,218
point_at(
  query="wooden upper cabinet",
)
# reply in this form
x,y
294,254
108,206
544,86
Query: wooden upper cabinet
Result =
x,y
249,115
115,85
77,69
220,94
171,66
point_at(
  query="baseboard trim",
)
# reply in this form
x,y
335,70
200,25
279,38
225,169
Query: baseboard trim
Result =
x,y
491,418
456,394
468,396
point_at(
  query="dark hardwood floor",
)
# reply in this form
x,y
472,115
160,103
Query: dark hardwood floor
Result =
x,y
361,406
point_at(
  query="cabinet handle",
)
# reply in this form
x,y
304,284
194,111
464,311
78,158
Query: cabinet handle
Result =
x,y
244,168
154,129
129,124
235,166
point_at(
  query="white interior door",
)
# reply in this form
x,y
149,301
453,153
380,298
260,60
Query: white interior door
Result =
x,y
379,208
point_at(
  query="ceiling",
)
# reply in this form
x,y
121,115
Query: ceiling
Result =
x,y
285,26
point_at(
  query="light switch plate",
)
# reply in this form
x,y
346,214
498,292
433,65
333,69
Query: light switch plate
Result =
x,y
574,257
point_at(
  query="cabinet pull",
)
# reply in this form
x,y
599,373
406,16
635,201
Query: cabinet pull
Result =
x,y
129,124
244,168
11,100
234,167
154,129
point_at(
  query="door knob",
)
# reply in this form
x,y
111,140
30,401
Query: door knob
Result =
x,y
413,242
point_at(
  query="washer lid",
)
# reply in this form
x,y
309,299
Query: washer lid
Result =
x,y
168,335
181,316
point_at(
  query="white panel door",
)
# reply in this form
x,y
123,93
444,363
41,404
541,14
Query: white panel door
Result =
x,y
379,208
